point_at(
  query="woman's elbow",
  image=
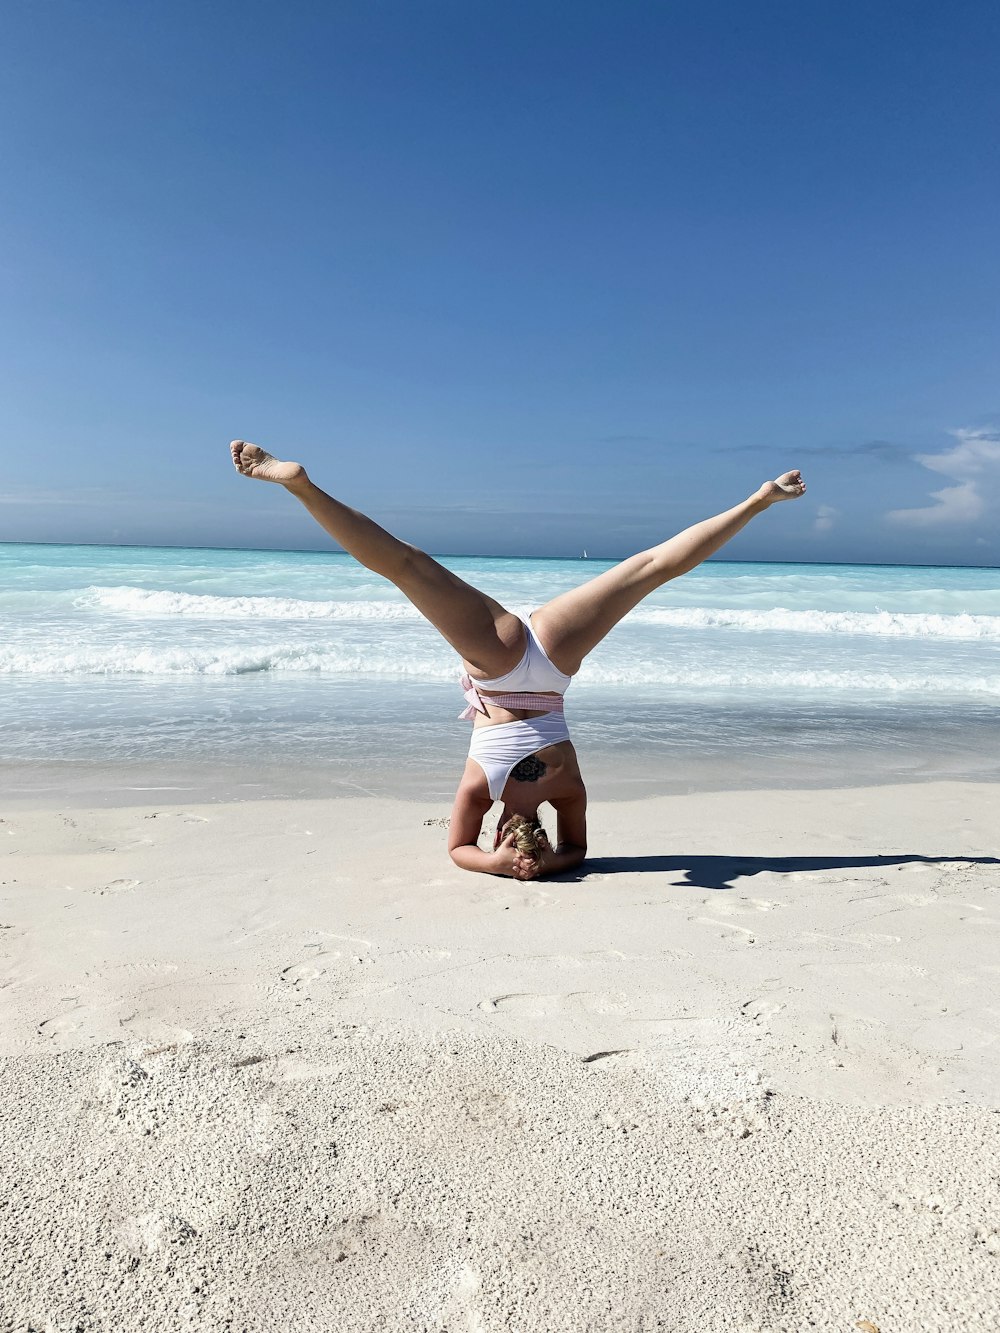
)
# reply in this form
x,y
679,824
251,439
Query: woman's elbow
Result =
x,y
464,856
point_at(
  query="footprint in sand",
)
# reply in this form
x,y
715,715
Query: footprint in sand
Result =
x,y
819,879
147,967
62,1025
611,1059
149,1233
82,1024
761,1010
739,906
116,886
536,897
523,1005
726,926
184,815
450,1300
300,974
533,898
311,969
861,939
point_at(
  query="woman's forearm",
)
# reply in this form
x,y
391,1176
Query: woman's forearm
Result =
x,y
470,857
565,857
474,858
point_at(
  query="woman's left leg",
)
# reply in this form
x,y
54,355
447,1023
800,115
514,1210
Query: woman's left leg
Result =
x,y
487,636
575,622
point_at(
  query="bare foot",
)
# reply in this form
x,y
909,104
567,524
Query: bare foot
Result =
x,y
789,486
252,461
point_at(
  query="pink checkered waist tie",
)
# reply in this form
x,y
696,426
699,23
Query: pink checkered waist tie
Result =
x,y
540,703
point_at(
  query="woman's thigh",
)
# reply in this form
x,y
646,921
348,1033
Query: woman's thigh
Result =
x,y
489,638
576,621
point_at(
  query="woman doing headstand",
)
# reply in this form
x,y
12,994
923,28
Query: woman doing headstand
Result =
x,y
515,671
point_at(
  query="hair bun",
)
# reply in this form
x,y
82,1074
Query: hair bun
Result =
x,y
529,835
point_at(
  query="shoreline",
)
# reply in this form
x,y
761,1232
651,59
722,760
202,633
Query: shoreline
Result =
x,y
613,775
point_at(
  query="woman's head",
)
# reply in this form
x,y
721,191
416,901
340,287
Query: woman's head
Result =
x,y
530,838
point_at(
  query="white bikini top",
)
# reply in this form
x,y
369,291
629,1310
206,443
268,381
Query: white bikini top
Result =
x,y
534,674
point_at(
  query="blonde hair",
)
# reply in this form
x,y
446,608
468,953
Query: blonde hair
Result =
x,y
528,835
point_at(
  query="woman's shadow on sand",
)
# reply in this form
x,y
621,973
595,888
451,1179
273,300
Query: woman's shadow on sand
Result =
x,y
719,872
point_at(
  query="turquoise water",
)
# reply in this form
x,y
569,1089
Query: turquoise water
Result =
x,y
119,653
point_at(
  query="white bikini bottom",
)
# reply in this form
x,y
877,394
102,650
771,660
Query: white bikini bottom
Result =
x,y
500,748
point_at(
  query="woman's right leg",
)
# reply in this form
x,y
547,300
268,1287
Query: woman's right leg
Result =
x,y
575,622
485,635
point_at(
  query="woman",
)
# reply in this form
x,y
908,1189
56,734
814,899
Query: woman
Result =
x,y
516,671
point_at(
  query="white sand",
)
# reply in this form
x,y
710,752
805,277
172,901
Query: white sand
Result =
x,y
278,1065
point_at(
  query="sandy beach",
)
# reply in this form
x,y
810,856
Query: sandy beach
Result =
x,y
407,405
276,1063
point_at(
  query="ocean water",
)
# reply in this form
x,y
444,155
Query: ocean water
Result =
x,y
265,659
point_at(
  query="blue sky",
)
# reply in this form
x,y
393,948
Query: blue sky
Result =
x,y
516,278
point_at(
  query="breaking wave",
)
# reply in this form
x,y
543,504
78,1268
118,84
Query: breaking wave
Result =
x,y
143,602
372,663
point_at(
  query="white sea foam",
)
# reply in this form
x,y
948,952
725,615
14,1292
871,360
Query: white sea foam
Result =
x,y
144,602
371,663
128,601
777,683
203,660
884,624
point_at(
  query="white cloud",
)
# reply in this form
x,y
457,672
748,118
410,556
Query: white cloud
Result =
x,y
974,462
953,504
825,515
976,451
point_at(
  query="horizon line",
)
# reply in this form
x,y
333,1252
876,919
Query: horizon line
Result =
x,y
467,555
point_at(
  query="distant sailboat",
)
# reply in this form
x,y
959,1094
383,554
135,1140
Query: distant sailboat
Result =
x,y
584,556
